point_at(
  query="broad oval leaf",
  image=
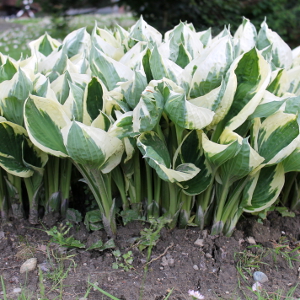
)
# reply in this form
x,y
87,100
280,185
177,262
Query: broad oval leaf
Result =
x,y
156,154
44,118
263,189
277,137
92,146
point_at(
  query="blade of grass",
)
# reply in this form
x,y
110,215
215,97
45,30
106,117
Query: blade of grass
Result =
x,y
103,292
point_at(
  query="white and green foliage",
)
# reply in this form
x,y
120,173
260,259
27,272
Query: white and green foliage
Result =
x,y
200,128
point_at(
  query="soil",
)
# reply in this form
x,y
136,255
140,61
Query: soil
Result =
x,y
210,265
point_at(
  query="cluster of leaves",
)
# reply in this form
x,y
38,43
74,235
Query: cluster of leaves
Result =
x,y
195,128
282,15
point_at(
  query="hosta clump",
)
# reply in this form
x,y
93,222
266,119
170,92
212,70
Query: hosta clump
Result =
x,y
188,126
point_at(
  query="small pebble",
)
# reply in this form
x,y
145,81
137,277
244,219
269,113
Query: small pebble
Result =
x,y
17,290
28,265
251,240
260,277
195,267
171,262
208,255
199,242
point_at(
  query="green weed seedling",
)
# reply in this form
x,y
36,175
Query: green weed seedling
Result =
x,y
59,236
247,262
123,261
150,236
59,273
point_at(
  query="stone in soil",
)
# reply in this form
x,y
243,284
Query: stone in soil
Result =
x,y
260,277
28,265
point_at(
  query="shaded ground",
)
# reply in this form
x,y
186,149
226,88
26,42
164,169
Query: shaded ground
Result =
x,y
211,265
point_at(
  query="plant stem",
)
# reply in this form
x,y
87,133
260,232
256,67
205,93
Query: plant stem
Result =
x,y
157,195
118,178
33,186
13,184
149,191
286,191
232,206
65,183
173,206
136,203
185,211
222,201
100,186
3,197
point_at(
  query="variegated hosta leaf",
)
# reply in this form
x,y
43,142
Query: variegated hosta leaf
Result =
x,y
277,137
61,86
182,44
33,157
102,121
240,165
17,154
205,37
7,70
184,113
53,65
73,105
253,76
43,45
246,36
147,113
157,156
94,102
162,67
75,42
263,189
269,105
13,94
107,43
217,154
123,126
44,118
108,70
296,56
133,88
294,80
42,88
282,56
292,162
141,31
219,99
279,82
209,68
92,147
133,57
292,105
190,151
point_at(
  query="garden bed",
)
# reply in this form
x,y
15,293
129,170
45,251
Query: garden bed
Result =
x,y
217,266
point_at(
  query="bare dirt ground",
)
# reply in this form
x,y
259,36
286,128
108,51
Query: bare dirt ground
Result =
x,y
217,266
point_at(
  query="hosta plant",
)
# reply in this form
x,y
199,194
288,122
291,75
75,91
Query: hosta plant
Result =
x,y
195,128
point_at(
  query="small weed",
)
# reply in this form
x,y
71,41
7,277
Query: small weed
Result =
x,y
59,236
290,255
247,262
58,272
123,261
150,236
